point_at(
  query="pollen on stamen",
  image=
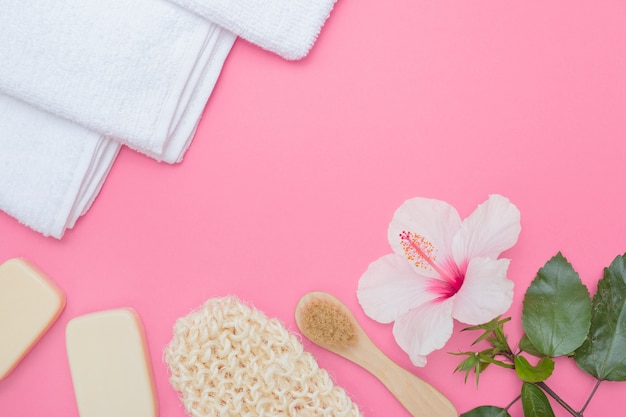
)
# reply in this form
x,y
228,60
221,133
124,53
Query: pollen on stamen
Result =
x,y
418,250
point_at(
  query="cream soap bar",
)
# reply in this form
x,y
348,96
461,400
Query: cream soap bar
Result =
x,y
110,365
29,304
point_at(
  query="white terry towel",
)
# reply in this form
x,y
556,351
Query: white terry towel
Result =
x,y
286,27
51,169
139,71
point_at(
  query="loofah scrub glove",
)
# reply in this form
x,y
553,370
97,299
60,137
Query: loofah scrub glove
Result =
x,y
227,359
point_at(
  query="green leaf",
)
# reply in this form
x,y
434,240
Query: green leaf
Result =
x,y
477,362
487,411
603,354
468,364
526,346
528,373
486,357
557,309
489,328
534,402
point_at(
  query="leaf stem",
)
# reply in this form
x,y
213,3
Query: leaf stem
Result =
x,y
513,402
593,391
559,400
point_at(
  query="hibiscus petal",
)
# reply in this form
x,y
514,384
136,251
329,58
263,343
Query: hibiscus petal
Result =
x,y
390,288
486,292
424,329
490,230
431,225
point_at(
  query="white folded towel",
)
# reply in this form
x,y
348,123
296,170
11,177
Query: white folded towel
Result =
x,y
286,27
80,77
140,71
51,169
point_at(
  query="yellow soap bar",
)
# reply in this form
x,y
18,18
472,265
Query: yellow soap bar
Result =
x,y
110,365
29,303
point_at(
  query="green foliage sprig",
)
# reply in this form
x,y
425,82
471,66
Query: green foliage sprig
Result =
x,y
560,320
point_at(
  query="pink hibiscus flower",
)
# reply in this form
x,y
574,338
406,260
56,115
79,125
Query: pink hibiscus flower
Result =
x,y
442,269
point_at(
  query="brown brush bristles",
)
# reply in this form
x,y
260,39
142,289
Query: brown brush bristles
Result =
x,y
325,322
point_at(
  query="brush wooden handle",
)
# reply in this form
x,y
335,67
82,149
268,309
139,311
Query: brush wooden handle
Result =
x,y
419,397
416,395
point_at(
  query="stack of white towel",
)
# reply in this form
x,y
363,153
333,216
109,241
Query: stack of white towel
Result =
x,y
80,78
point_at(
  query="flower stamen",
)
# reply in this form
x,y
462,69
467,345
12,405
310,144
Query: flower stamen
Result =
x,y
420,251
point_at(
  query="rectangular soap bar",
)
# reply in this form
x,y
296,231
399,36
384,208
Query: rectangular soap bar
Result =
x,y
30,303
110,365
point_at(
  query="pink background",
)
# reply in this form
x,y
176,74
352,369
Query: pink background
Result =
x,y
297,168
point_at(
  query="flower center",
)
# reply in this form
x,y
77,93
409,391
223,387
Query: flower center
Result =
x,y
448,285
423,254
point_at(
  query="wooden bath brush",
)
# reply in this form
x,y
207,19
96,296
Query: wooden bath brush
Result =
x,y
327,322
